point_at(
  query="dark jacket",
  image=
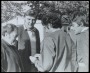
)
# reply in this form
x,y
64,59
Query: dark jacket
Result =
x,y
24,45
10,60
24,40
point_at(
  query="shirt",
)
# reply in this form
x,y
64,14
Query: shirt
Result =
x,y
32,37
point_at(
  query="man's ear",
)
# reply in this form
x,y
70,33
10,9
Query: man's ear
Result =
x,y
49,26
34,22
82,24
24,20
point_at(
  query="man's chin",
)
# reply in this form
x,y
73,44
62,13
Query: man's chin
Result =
x,y
29,27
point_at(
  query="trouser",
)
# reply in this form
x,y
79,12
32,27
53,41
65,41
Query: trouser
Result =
x,y
27,65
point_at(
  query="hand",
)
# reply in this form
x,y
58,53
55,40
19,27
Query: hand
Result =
x,y
39,66
33,59
37,56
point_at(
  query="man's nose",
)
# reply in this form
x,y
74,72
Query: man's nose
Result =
x,y
46,30
29,22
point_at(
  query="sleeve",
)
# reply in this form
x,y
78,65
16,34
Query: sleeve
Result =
x,y
74,57
4,63
47,55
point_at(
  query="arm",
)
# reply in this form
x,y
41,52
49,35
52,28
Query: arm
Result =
x,y
74,57
47,54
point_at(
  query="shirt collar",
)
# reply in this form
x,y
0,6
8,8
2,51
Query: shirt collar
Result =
x,y
86,28
24,27
33,29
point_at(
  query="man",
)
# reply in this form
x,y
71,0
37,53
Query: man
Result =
x,y
28,40
58,52
82,42
83,49
10,60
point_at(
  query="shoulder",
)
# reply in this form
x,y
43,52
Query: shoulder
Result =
x,y
48,38
62,35
47,44
54,35
59,33
35,29
48,41
86,31
20,26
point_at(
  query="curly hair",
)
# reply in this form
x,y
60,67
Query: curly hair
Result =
x,y
31,13
52,18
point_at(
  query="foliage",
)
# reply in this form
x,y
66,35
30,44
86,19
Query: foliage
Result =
x,y
11,9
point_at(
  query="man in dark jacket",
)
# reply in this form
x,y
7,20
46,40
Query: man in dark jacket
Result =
x,y
10,59
28,41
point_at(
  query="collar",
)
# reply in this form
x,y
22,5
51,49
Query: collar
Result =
x,y
33,29
56,29
24,27
83,29
86,28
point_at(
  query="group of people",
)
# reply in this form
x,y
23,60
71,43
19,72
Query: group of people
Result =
x,y
62,49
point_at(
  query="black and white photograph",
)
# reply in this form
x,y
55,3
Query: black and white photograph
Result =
x,y
44,36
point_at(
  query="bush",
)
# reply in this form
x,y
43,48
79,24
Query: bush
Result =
x,y
10,9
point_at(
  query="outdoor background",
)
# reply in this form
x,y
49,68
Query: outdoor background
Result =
x,y
13,11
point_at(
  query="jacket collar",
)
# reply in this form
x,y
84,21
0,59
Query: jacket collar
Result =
x,y
33,29
86,28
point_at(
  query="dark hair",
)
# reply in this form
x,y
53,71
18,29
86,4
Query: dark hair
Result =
x,y
82,18
31,13
65,20
53,19
9,28
85,21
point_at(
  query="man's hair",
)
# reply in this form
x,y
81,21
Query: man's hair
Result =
x,y
65,20
31,13
82,18
53,19
8,28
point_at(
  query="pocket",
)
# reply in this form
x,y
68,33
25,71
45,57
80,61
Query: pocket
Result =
x,y
81,64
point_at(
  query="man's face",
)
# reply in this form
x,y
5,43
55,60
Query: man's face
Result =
x,y
29,21
74,24
76,27
10,38
47,29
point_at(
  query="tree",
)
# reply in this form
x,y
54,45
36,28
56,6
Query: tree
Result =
x,y
11,9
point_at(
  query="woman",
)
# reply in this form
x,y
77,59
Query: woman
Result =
x,y
10,61
58,52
